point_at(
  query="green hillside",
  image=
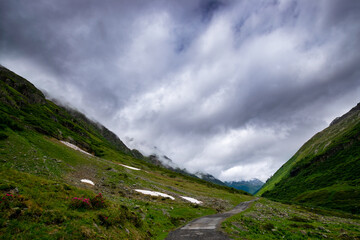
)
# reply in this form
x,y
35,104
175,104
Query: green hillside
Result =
x,y
325,172
41,193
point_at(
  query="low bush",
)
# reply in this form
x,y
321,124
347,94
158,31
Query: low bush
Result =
x,y
96,202
80,203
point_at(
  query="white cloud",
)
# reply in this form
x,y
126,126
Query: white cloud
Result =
x,y
234,95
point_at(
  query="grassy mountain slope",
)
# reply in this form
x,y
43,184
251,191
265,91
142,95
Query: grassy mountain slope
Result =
x,y
40,177
325,171
24,106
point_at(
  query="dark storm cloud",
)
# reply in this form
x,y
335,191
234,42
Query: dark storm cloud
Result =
x,y
230,87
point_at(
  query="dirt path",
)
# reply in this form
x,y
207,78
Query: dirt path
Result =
x,y
206,228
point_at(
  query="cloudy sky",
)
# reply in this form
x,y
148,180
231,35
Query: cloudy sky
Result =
x,y
232,88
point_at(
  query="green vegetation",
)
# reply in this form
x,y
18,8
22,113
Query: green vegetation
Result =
x,y
23,106
325,171
266,219
41,192
42,196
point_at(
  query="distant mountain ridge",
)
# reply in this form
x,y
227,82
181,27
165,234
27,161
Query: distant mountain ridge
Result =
x,y
166,162
209,178
325,171
250,186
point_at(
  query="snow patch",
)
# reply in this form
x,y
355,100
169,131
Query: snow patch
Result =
x,y
87,181
75,147
133,168
156,194
193,200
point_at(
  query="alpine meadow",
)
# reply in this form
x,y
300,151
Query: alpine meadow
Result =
x,y
180,120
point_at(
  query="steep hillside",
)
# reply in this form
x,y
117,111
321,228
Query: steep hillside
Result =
x,y
251,186
63,176
325,171
24,106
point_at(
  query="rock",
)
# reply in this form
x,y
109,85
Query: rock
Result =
x,y
323,229
344,236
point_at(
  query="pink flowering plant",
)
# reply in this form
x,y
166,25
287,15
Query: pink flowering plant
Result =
x,y
5,201
80,203
98,201
88,203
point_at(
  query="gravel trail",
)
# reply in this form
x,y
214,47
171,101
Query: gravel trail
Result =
x,y
206,228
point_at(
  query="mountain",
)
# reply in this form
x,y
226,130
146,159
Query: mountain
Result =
x,y
325,171
24,106
167,163
209,178
63,176
251,186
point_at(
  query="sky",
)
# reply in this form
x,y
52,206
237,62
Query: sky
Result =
x,y
230,88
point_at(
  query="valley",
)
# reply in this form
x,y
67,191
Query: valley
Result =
x,y
64,176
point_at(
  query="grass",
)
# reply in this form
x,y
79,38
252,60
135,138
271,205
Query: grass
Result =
x,y
324,172
46,174
266,219
317,146
40,177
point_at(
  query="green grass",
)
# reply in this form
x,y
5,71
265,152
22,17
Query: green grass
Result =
x,y
324,172
44,175
318,145
39,176
47,174
266,219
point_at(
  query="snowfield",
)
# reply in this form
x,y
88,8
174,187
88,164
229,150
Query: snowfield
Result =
x,y
133,168
87,181
153,193
192,200
75,147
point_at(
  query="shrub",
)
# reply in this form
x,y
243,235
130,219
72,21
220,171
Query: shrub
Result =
x,y
98,201
104,220
6,200
80,203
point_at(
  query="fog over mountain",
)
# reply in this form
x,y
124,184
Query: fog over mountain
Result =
x,y
232,88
